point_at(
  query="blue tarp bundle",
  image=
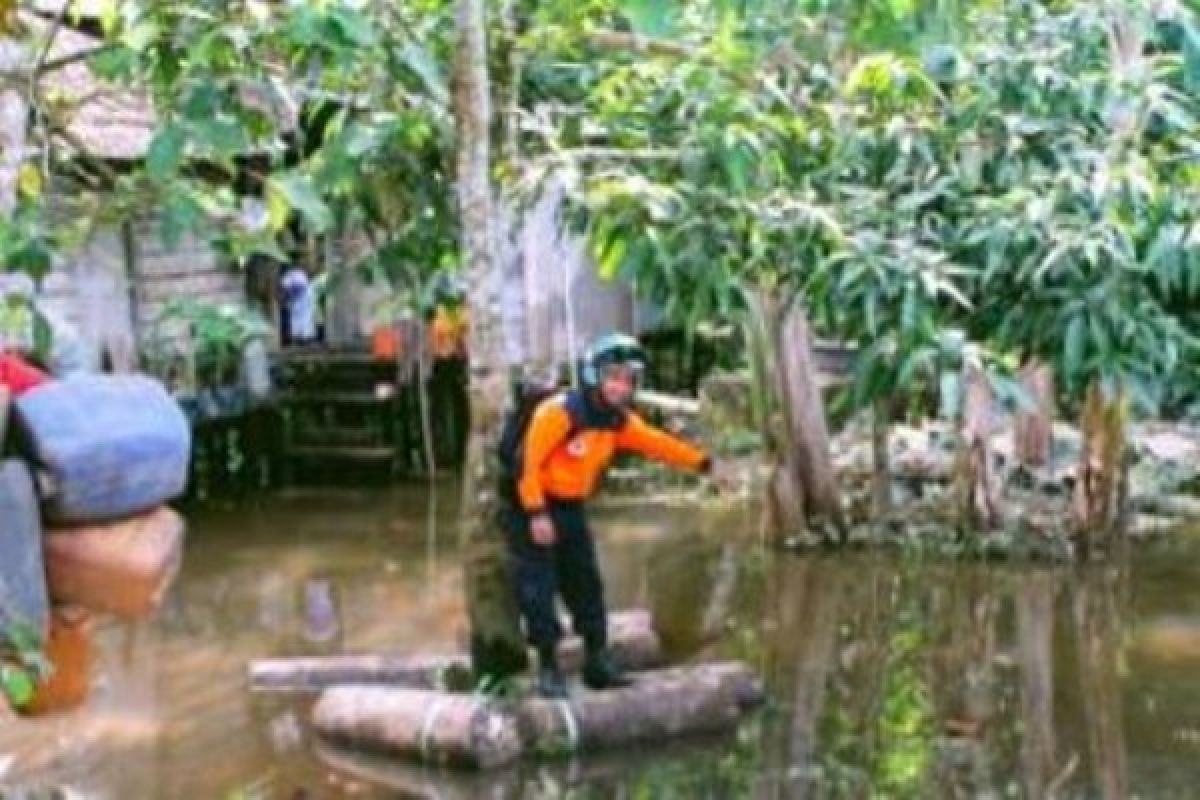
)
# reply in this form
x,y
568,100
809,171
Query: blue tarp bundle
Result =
x,y
22,578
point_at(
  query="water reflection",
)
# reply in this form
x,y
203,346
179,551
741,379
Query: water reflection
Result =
x,y
889,677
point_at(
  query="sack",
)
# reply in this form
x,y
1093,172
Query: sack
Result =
x,y
70,650
22,579
110,446
123,568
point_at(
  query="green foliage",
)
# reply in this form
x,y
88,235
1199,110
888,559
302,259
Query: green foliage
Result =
x,y
22,663
1022,172
273,119
205,338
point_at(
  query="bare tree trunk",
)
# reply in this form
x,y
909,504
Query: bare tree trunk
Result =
x,y
977,493
510,125
1099,481
806,414
497,645
1033,430
802,488
13,113
785,498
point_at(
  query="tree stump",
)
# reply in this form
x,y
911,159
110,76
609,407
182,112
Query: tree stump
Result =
x,y
977,489
1033,429
1099,490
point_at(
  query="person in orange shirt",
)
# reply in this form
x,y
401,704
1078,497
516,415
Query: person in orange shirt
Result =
x,y
570,441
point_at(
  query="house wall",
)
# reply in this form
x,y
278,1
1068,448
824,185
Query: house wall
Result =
x,y
110,305
189,270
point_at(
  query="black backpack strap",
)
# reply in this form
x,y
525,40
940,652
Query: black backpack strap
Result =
x,y
576,408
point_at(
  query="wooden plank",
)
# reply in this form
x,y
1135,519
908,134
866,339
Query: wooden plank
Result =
x,y
151,310
195,285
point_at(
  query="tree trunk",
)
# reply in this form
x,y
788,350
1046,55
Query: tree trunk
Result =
x,y
977,493
510,124
14,112
806,414
792,412
1099,482
497,644
1033,429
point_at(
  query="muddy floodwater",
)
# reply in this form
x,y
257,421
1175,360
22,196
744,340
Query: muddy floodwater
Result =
x,y
889,675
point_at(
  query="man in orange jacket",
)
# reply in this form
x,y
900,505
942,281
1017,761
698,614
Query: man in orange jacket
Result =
x,y
570,441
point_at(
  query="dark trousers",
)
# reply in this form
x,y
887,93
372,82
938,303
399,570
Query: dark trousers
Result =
x,y
569,567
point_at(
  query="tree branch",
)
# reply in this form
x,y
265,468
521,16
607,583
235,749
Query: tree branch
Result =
x,y
636,43
55,64
57,129
601,153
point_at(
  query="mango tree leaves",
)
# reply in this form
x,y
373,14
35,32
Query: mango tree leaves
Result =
x,y
296,192
165,155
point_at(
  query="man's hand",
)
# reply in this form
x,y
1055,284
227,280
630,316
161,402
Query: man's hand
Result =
x,y
541,528
724,475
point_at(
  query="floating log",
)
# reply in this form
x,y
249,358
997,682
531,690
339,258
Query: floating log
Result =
x,y
632,638
316,673
471,731
122,568
683,701
455,729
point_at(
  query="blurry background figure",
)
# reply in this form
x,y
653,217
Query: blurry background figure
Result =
x,y
448,329
299,296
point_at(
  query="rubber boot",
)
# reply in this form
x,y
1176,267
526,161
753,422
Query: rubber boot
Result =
x,y
600,671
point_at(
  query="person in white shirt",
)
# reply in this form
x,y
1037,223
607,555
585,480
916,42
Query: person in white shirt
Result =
x,y
300,302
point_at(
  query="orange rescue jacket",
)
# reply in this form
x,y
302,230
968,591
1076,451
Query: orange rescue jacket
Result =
x,y
567,464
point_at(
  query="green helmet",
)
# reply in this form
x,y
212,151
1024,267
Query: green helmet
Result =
x,y
609,349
